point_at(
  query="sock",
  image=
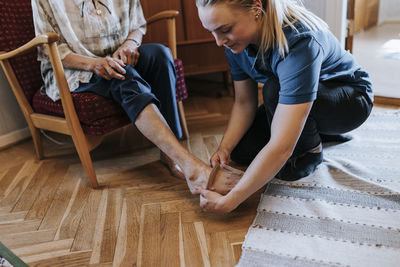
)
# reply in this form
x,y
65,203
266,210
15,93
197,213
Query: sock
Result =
x,y
335,138
298,167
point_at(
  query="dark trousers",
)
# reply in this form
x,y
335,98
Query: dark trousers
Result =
x,y
152,80
338,109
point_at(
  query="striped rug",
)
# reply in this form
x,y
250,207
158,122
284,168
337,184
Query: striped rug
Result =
x,y
347,213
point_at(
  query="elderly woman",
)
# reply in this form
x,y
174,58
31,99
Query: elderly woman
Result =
x,y
100,48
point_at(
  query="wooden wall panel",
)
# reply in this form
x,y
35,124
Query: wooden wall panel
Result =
x,y
193,25
157,31
366,14
196,46
372,14
200,58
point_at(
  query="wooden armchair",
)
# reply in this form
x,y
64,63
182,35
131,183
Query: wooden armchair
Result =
x,y
73,115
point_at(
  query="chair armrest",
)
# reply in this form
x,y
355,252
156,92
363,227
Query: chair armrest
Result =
x,y
46,38
167,14
49,40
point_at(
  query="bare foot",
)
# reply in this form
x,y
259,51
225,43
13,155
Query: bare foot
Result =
x,y
223,178
220,179
172,166
196,173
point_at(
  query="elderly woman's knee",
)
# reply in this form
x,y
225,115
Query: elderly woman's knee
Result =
x,y
159,53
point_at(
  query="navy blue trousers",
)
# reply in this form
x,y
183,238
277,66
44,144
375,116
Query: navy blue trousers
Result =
x,y
152,80
338,109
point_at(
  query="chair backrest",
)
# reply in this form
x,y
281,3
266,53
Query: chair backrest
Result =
x,y
16,29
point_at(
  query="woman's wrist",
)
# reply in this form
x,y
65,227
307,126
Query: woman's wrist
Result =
x,y
136,42
231,201
225,147
91,64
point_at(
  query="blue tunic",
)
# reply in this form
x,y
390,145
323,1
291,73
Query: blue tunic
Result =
x,y
313,57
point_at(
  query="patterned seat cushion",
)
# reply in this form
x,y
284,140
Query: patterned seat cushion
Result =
x,y
99,115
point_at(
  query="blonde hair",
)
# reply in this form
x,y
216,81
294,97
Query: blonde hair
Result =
x,y
276,15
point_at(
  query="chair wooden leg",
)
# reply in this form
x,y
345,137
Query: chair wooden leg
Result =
x,y
182,118
82,148
37,142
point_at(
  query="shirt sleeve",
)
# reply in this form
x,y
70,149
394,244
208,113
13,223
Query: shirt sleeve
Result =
x,y
236,71
299,72
44,22
136,17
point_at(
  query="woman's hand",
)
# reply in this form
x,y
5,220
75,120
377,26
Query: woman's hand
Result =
x,y
214,202
222,156
108,68
128,53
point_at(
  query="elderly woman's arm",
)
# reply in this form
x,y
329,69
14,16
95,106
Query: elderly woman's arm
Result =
x,y
106,67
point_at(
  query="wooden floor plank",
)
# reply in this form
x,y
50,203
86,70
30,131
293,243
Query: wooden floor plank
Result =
x,y
12,217
132,232
180,205
120,247
170,224
220,250
99,228
20,182
196,144
149,253
28,238
201,235
111,224
29,196
58,245
80,258
211,145
192,247
70,221
84,236
237,251
17,227
8,178
59,204
44,200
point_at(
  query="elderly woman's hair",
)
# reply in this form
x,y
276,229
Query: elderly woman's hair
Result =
x,y
276,15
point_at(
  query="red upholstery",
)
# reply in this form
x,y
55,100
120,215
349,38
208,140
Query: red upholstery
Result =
x,y
181,90
16,29
97,114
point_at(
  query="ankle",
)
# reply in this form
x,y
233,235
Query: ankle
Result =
x,y
191,165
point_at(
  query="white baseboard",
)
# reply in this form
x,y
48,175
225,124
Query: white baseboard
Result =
x,y
14,137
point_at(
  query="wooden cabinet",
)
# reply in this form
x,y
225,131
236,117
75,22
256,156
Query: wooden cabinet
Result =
x,y
196,46
365,14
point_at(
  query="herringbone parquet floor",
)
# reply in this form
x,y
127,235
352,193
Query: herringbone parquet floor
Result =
x,y
141,216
